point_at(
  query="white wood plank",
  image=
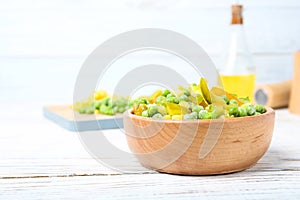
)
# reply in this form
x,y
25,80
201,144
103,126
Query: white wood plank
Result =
x,y
244,185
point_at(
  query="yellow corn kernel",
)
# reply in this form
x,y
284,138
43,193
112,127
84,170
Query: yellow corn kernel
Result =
x,y
96,112
177,117
101,94
168,117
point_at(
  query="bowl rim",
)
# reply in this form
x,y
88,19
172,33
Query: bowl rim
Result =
x,y
270,111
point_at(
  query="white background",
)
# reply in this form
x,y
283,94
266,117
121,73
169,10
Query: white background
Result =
x,y
44,43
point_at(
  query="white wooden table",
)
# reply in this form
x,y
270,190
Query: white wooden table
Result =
x,y
39,160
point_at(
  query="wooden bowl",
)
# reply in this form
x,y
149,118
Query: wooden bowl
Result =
x,y
199,147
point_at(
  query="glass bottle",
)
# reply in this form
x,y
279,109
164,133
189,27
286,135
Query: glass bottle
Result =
x,y
238,72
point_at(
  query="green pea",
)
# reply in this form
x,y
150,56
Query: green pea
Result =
x,y
171,95
82,111
194,115
160,100
110,111
89,110
187,92
104,101
208,115
104,109
197,108
242,112
116,109
121,109
120,103
97,104
152,110
183,98
234,111
165,93
109,103
145,113
260,108
250,110
131,102
226,99
157,115
202,114
172,99
233,102
142,101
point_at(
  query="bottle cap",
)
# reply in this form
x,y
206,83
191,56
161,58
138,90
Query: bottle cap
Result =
x,y
237,17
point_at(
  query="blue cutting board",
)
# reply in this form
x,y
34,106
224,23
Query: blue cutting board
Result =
x,y
66,117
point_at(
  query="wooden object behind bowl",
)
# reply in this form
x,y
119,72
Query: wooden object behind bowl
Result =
x,y
242,143
294,105
275,95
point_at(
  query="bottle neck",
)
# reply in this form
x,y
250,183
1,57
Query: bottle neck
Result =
x,y
237,58
236,11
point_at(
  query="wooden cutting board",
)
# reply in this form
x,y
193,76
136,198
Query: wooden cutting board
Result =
x,y
71,120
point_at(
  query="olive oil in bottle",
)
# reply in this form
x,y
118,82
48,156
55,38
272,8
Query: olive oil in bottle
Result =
x,y
238,72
